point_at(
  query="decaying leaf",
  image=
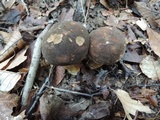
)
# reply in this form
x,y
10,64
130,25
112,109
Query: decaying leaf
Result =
x,y
131,54
50,105
5,63
18,59
7,102
151,67
14,42
154,40
80,104
59,75
150,95
8,80
98,110
131,106
144,10
104,3
67,15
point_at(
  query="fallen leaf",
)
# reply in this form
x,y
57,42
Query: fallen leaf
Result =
x,y
6,36
144,10
106,13
98,110
50,105
8,80
11,16
142,24
150,95
67,15
131,54
5,63
7,102
15,41
131,106
59,75
131,35
155,7
80,105
18,59
111,21
154,40
104,3
151,67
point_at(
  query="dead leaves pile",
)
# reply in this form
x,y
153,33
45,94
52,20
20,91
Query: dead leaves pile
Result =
x,y
19,28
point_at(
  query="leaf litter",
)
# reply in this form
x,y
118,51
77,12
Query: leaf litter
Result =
x,y
79,92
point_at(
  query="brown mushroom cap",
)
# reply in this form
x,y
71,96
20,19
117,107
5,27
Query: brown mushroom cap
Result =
x,y
107,45
66,43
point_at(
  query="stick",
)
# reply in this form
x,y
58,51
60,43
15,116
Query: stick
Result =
x,y
73,92
34,66
39,93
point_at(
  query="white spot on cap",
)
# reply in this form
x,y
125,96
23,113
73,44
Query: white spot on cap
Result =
x,y
55,38
80,40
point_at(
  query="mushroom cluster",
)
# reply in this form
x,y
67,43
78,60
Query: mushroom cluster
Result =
x,y
66,43
107,46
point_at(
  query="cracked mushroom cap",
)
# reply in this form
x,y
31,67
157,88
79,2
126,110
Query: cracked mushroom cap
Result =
x,y
107,45
66,43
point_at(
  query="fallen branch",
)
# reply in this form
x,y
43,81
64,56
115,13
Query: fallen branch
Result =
x,y
34,66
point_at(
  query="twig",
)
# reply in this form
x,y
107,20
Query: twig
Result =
x,y
83,11
34,66
126,3
85,18
73,92
39,93
33,28
136,114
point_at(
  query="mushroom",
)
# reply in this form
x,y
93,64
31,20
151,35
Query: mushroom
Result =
x,y
66,43
107,46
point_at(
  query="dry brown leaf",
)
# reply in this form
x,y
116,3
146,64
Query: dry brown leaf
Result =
x,y
154,40
50,105
59,75
67,15
150,95
131,106
93,1
111,21
151,67
106,12
7,102
18,59
98,110
8,80
144,10
5,63
104,3
14,42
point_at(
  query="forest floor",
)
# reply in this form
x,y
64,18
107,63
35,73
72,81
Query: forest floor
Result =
x,y
128,89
